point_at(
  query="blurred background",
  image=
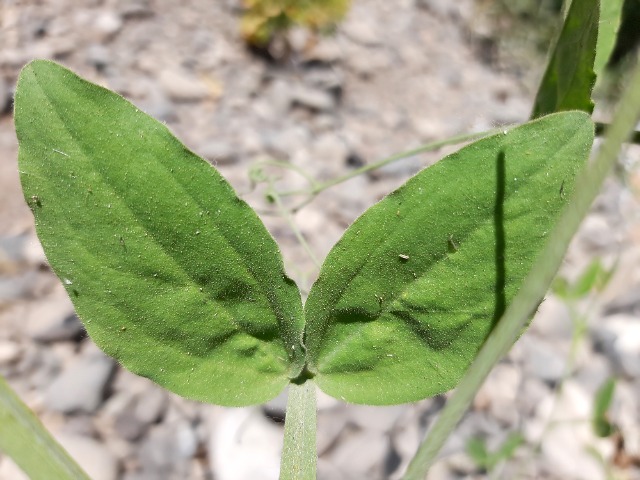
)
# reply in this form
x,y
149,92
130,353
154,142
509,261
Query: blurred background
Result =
x,y
324,87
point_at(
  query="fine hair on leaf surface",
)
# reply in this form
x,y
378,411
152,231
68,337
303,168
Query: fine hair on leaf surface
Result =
x,y
172,273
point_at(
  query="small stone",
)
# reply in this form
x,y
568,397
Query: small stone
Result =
x,y
70,328
377,419
219,152
276,408
330,424
367,63
98,56
326,50
92,456
618,336
363,29
5,97
128,426
53,318
81,387
157,104
136,9
9,352
441,8
182,87
312,98
532,392
10,471
151,406
107,24
553,319
628,302
361,454
244,445
298,38
543,360
499,392
597,234
566,445
161,452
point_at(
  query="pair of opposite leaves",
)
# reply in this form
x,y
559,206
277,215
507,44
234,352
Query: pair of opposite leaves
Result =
x,y
178,279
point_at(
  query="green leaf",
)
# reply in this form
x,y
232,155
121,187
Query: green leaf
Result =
x,y
569,78
589,279
29,444
408,295
603,398
477,450
171,273
610,16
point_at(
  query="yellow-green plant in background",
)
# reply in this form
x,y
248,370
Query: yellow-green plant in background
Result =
x,y
262,19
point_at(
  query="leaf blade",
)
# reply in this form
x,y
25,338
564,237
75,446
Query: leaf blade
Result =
x,y
569,77
173,274
409,293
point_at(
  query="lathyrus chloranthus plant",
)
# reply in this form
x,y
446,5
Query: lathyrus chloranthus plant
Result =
x,y
178,279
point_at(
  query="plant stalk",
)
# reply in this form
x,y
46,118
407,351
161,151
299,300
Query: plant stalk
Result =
x,y
29,444
299,455
536,282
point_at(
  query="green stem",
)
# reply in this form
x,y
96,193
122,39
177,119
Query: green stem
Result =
x,y
29,444
286,214
299,455
536,283
316,188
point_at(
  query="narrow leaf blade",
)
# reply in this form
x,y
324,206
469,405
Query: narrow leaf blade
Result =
x,y
29,444
171,273
569,78
409,294
610,17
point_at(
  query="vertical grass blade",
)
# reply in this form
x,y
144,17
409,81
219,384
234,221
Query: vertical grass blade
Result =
x,y
569,78
29,444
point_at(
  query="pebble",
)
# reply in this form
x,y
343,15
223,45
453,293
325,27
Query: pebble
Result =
x,y
98,56
553,319
363,29
244,445
330,425
81,386
544,360
567,437
93,457
499,393
375,419
52,318
312,98
151,405
361,453
326,50
182,86
70,328
276,408
107,24
597,234
9,352
219,151
10,471
618,336
626,303
5,96
167,450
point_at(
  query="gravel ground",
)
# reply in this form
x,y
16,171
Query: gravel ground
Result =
x,y
394,76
